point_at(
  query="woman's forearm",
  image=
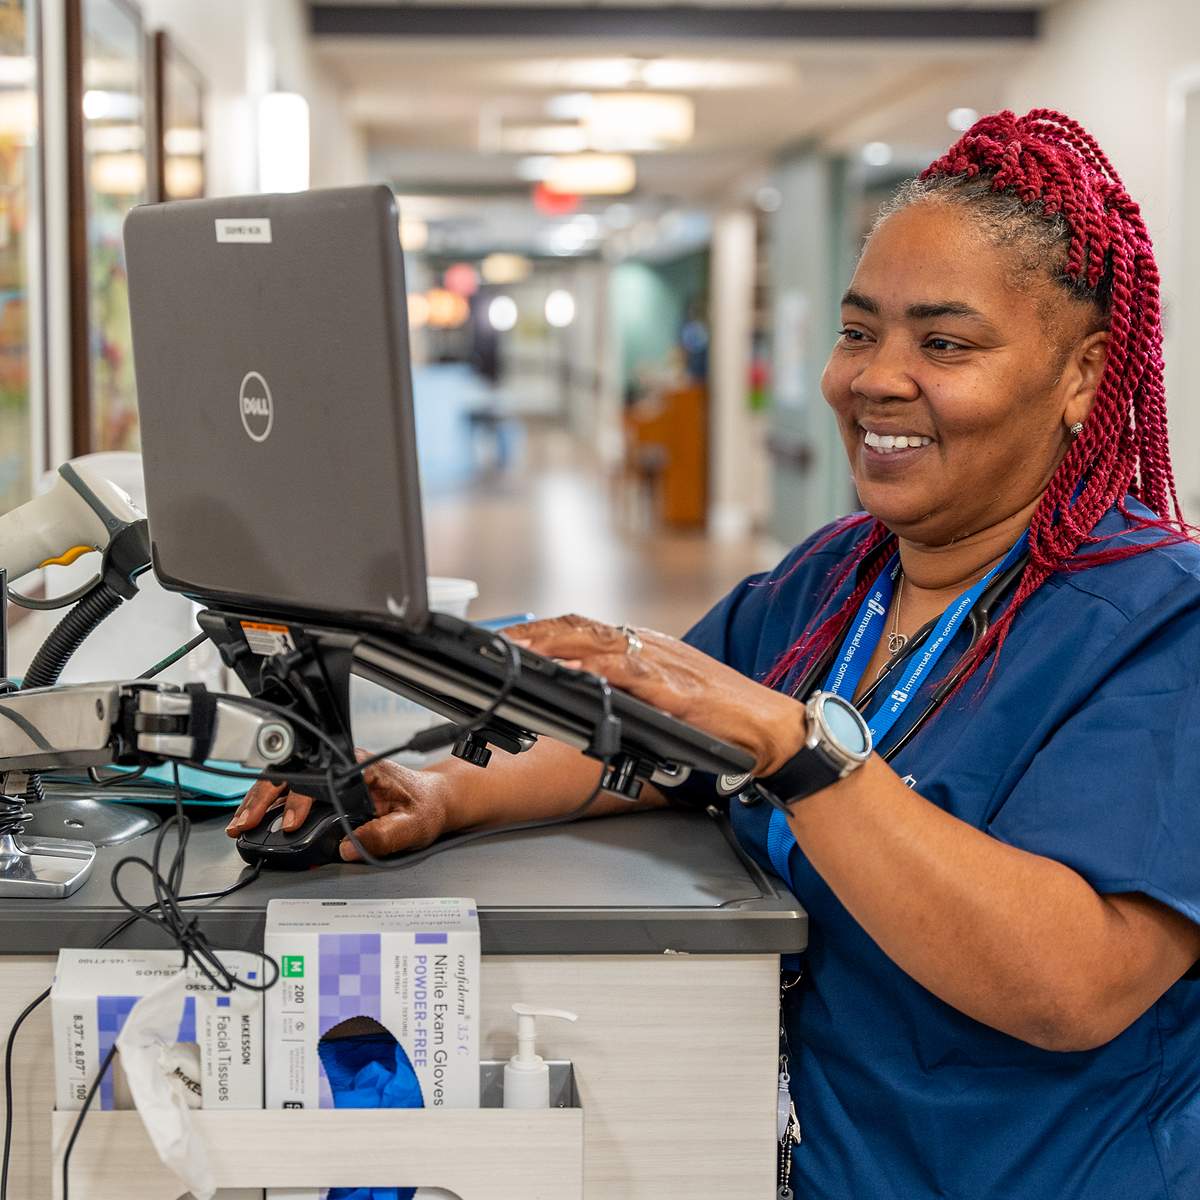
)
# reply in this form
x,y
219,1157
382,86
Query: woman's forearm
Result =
x,y
1015,940
548,780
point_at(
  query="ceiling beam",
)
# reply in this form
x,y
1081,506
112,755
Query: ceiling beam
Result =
x,y
675,23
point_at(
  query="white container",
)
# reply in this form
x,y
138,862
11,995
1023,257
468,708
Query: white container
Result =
x,y
381,719
527,1074
93,992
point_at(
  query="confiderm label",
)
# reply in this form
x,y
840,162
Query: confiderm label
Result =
x,y
243,229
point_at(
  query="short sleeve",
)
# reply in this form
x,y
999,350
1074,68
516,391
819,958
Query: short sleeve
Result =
x,y
1114,793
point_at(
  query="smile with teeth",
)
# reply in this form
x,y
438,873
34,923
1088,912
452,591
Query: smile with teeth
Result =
x,y
886,443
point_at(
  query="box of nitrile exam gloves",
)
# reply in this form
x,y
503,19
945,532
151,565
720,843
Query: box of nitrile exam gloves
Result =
x,y
218,1056
377,1007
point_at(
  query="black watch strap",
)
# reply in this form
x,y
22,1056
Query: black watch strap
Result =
x,y
807,771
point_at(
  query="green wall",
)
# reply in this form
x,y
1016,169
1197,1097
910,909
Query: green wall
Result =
x,y
649,303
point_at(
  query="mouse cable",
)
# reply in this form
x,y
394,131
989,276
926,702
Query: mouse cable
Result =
x,y
247,878
167,915
179,926
609,741
174,656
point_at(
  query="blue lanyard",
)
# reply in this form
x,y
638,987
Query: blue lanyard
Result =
x,y
857,649
867,630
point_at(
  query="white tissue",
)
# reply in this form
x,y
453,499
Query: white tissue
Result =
x,y
151,1060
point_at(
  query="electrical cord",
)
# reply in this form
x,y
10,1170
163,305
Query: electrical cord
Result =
x,y
177,923
425,740
247,878
107,781
14,813
475,835
167,915
174,656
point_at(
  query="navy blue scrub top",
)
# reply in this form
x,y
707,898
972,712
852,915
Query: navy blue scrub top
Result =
x,y
1085,748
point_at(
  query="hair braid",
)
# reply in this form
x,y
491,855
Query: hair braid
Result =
x,y
1042,182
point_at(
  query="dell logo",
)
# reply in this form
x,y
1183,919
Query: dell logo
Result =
x,y
256,407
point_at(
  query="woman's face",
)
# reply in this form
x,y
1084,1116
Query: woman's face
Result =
x,y
941,347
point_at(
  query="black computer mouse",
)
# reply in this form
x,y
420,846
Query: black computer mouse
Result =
x,y
309,845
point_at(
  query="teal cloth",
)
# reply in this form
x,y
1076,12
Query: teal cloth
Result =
x,y
199,787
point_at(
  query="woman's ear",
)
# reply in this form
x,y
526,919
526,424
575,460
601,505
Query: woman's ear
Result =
x,y
1082,374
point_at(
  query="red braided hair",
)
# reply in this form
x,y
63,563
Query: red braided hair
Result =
x,y
1042,180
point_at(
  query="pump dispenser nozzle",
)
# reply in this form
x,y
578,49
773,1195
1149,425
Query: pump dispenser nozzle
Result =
x,y
526,1075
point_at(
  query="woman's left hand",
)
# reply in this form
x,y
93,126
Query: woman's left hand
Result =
x,y
678,679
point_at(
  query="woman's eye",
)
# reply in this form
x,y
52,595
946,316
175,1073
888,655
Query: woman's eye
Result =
x,y
852,335
943,344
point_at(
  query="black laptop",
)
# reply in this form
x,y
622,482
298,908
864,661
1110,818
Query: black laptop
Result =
x,y
271,351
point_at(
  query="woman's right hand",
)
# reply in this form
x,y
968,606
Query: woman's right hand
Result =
x,y
412,807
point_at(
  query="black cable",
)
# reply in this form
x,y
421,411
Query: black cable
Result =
x,y
107,781
425,736
174,656
98,603
83,1112
166,915
14,813
66,637
247,878
40,604
177,924
475,835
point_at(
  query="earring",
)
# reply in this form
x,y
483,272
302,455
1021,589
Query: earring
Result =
x,y
1076,429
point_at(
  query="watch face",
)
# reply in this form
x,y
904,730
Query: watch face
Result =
x,y
845,725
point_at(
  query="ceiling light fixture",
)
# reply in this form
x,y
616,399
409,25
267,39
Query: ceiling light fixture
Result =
x,y
502,314
877,154
593,174
505,268
639,121
283,142
543,139
560,309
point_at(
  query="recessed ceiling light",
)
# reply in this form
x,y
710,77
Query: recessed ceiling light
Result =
x,y
877,154
639,121
768,199
570,106
535,168
543,139
593,174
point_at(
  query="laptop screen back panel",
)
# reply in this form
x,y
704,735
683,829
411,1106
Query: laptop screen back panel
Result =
x,y
274,391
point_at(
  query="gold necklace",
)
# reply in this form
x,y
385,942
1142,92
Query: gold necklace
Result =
x,y
896,640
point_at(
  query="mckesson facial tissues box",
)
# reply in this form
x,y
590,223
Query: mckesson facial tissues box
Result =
x,y
377,1007
219,1052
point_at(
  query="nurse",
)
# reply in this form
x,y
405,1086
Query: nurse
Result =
x,y
1004,905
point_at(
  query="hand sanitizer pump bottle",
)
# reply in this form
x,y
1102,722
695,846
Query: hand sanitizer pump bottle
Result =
x,y
526,1075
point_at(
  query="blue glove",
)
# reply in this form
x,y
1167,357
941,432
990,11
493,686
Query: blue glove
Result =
x,y
370,1071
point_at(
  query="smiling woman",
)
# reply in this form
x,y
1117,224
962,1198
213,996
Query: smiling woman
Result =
x,y
999,865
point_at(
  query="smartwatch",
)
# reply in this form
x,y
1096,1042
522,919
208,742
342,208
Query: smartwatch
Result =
x,y
838,742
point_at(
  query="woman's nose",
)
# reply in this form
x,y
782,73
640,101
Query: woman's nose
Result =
x,y
884,374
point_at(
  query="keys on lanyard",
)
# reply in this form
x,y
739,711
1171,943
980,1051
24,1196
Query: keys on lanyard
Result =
x,y
787,1123
789,1130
